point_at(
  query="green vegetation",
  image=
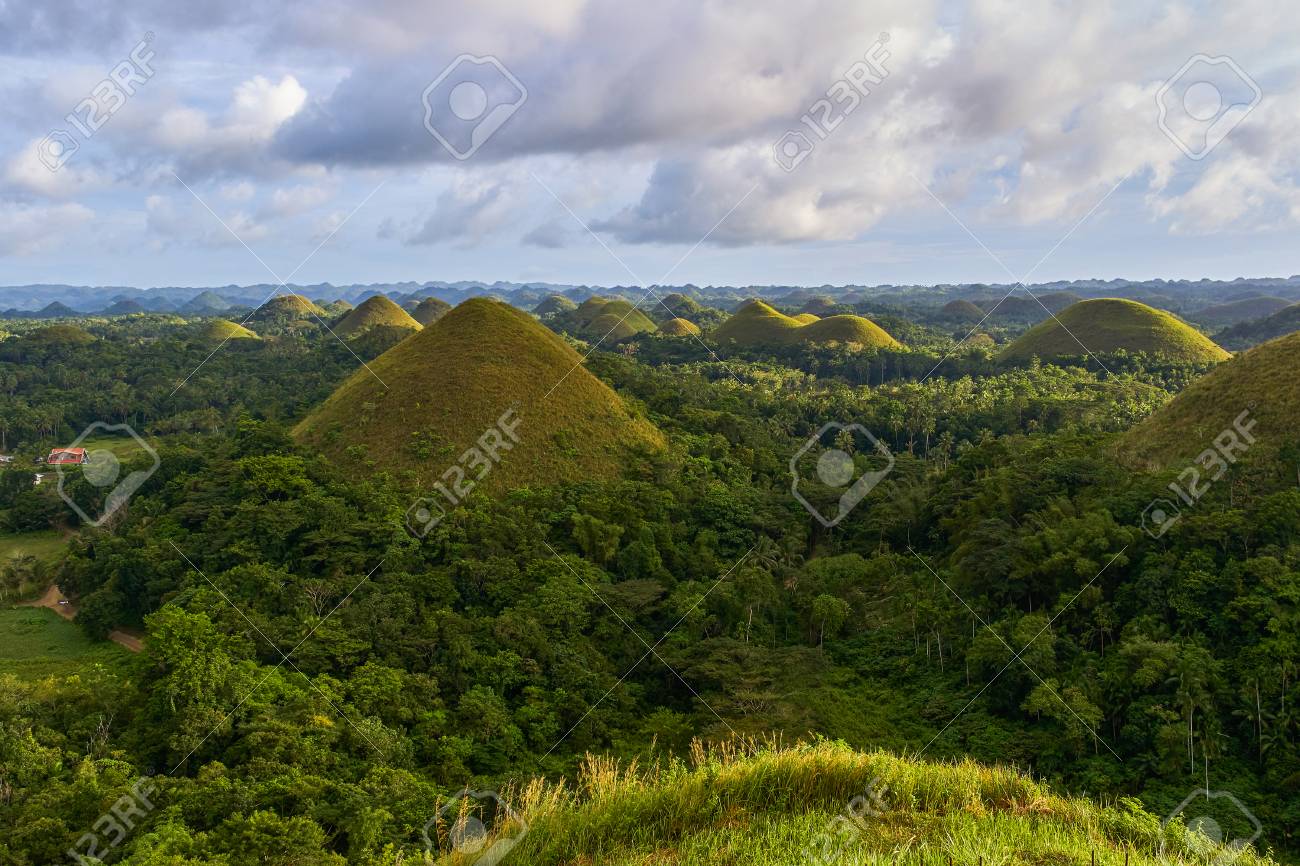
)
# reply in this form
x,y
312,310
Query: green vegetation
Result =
x,y
806,318
962,311
58,335
430,310
374,312
36,643
679,328
420,405
553,304
757,323
1244,310
604,320
218,331
283,308
1108,325
1246,334
40,545
1260,381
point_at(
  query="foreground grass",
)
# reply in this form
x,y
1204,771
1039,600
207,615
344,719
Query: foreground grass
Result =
x,y
36,643
42,545
827,804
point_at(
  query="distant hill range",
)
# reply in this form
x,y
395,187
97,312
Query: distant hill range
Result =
x,y
1183,297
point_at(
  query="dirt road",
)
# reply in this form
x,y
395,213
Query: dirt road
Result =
x,y
52,599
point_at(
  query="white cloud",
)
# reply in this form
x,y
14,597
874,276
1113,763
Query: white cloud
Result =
x,y
29,229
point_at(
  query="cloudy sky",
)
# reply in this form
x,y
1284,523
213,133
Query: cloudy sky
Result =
x,y
706,141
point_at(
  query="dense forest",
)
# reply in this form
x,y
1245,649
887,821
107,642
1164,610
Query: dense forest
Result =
x,y
316,676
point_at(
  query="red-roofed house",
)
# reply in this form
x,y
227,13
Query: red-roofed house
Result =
x,y
67,457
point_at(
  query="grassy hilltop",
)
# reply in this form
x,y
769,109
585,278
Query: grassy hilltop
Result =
x,y
375,312
419,405
827,804
757,323
1108,325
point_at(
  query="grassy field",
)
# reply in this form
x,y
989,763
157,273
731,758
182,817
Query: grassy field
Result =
x,y
825,804
36,643
42,545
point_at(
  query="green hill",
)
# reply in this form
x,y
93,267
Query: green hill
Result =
x,y
217,331
1246,334
602,318
1244,310
757,323
679,328
443,387
962,311
59,335
1261,380
553,304
823,804
679,306
374,312
283,308
822,305
1109,325
336,308
430,310
806,318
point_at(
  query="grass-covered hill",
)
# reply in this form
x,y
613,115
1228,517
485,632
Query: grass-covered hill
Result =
x,y
679,328
961,310
822,305
757,323
430,310
1246,334
553,304
1243,310
286,308
217,331
1261,380
605,319
375,312
827,804
58,335
421,404
1107,325
806,318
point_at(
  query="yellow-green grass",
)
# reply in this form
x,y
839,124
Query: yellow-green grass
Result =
x,y
1261,380
443,387
681,306
286,307
218,331
757,323
806,318
430,310
46,545
553,304
679,328
36,643
374,312
1107,325
825,803
602,318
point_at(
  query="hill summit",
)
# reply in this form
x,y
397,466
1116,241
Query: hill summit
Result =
x,y
286,307
417,408
1107,325
1260,381
757,323
374,312
430,310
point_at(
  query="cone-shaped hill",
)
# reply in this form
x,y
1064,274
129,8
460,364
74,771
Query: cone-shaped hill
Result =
x,y
806,318
757,323
1110,325
679,328
217,331
1244,310
962,310
1261,380
442,388
1245,334
604,319
286,308
430,310
378,311
553,304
